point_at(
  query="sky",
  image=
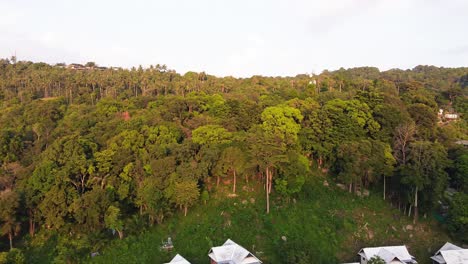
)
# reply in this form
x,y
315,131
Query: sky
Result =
x,y
238,38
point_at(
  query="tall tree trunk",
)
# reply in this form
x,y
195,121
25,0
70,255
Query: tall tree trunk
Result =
x,y
31,225
266,190
185,210
270,181
234,185
121,234
384,187
415,220
10,237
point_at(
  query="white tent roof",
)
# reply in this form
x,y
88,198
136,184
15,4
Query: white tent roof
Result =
x,y
455,256
178,259
451,254
448,246
232,253
387,253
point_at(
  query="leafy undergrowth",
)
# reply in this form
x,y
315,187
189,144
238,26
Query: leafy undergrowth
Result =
x,y
322,225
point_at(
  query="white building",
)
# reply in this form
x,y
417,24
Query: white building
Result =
x,y
391,255
451,116
232,253
450,254
178,259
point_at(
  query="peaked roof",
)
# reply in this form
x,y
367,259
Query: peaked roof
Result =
x,y
178,259
448,246
451,254
387,253
455,256
387,256
232,253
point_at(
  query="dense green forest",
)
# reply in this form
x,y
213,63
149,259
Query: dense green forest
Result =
x,y
93,155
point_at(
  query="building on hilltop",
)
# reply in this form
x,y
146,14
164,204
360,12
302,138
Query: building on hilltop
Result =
x,y
391,255
178,259
76,66
232,253
450,254
447,116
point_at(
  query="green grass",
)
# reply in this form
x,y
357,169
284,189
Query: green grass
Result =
x,y
323,225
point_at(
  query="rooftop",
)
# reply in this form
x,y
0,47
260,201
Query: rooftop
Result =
x,y
388,253
178,259
232,253
451,254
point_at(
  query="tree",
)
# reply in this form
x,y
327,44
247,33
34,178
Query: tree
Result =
x,y
89,209
292,174
352,162
269,141
232,161
90,64
151,199
9,204
425,170
282,123
112,220
73,157
54,208
376,260
185,194
363,162
211,134
403,135
457,220
459,177
348,120
385,166
425,118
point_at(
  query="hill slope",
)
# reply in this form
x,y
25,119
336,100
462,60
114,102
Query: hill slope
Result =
x,y
324,225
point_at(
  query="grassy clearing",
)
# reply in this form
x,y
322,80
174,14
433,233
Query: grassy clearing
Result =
x,y
322,225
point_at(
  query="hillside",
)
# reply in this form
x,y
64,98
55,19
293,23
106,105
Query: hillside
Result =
x,y
114,161
323,225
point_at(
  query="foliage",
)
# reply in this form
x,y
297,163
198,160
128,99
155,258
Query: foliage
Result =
x,y
458,216
86,151
14,256
185,194
376,260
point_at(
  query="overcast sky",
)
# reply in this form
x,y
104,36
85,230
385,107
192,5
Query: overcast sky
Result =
x,y
238,37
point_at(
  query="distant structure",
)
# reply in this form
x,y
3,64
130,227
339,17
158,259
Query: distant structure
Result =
x,y
451,116
232,253
167,245
462,142
447,116
178,259
391,255
76,66
450,254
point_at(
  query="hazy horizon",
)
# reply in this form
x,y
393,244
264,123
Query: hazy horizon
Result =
x,y
241,38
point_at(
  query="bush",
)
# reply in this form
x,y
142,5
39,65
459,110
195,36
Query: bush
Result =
x,y
458,217
14,256
3,257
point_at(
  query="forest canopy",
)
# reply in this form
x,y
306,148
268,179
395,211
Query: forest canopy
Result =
x,y
84,151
